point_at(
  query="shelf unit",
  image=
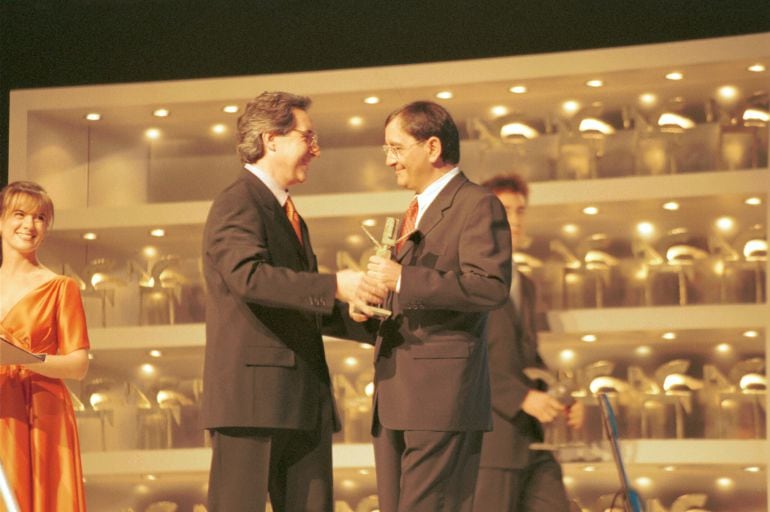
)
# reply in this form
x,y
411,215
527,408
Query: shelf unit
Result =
x,y
646,451
60,110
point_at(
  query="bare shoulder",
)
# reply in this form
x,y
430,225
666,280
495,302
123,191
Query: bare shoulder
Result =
x,y
46,274
57,280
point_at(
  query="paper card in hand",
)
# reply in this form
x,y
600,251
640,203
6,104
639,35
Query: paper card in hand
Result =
x,y
11,354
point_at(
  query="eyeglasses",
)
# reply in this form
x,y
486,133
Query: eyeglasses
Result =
x,y
311,137
398,151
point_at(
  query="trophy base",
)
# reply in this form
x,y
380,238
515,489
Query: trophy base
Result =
x,y
373,311
379,313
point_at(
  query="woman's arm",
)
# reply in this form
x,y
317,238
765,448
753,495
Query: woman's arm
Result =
x,y
69,366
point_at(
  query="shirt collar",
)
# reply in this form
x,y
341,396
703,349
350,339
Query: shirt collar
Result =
x,y
426,198
281,194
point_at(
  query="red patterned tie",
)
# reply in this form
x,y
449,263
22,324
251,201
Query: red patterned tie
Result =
x,y
408,224
291,213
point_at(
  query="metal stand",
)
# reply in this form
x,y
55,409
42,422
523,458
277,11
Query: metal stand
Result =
x,y
631,500
9,498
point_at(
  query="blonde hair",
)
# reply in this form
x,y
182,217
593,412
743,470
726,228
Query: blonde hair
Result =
x,y
30,196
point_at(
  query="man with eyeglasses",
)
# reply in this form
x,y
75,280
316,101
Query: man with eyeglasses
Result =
x,y
267,398
451,266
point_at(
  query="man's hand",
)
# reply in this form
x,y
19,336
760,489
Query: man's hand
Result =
x,y
348,282
542,406
367,291
359,311
384,271
371,291
576,415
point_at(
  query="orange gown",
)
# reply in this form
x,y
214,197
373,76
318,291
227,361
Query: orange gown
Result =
x,y
39,446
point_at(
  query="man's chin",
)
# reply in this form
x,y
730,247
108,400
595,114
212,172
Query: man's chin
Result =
x,y
300,177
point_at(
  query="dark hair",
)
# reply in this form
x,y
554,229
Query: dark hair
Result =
x,y
270,112
19,193
511,182
425,119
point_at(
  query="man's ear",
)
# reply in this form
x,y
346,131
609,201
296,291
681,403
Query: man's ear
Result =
x,y
434,149
268,141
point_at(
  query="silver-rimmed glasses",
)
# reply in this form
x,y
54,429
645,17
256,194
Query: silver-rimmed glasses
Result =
x,y
398,151
311,137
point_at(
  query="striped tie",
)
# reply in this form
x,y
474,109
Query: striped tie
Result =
x,y
408,224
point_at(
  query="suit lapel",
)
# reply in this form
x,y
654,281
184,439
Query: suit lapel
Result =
x,y
277,214
405,249
524,322
433,215
283,220
306,247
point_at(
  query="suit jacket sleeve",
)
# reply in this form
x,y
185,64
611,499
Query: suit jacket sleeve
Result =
x,y
510,352
508,388
482,281
238,249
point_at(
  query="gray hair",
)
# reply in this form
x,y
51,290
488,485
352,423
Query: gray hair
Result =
x,y
270,112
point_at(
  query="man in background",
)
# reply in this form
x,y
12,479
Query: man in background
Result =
x,y
513,478
452,266
267,397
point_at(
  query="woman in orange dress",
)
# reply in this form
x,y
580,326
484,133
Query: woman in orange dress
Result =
x,y
41,312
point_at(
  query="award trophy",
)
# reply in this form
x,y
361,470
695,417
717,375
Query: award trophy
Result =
x,y
384,247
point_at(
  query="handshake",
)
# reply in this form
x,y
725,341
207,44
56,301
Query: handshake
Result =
x,y
366,292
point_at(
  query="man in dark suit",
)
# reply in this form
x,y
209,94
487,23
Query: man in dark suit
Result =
x,y
267,396
432,402
513,477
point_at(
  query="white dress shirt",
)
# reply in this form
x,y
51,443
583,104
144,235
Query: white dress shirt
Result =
x,y
426,198
281,194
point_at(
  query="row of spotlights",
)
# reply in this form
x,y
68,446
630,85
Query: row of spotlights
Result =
x,y
522,131
569,356
643,482
565,356
596,82
155,232
446,95
155,133
724,223
522,89
643,228
670,335
162,112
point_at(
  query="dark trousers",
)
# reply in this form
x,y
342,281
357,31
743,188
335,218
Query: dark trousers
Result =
x,y
294,466
536,488
423,471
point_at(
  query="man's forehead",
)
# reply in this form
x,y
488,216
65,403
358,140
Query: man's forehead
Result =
x,y
302,118
395,131
510,196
